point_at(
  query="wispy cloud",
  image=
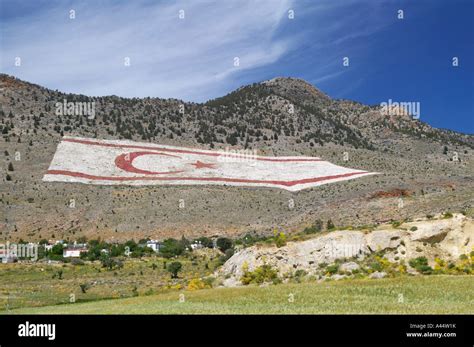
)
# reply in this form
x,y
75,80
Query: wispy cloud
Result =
x,y
189,58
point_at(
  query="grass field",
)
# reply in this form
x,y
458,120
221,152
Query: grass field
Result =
x,y
422,294
33,285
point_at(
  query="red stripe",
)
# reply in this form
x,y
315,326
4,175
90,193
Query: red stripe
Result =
x,y
208,179
175,150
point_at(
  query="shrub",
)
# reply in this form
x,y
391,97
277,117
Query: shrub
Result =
x,y
440,265
110,263
332,269
396,224
261,274
413,228
376,266
197,284
84,287
280,238
315,228
174,268
209,281
330,225
228,253
420,264
58,274
76,261
447,215
299,274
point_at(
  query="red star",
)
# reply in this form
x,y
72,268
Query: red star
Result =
x,y
200,165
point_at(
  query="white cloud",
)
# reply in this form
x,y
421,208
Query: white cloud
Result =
x,y
190,58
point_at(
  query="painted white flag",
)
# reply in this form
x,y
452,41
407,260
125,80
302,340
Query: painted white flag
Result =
x,y
109,162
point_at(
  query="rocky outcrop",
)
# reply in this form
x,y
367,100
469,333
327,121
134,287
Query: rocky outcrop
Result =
x,y
443,238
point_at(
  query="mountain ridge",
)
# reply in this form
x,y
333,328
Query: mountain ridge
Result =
x,y
430,169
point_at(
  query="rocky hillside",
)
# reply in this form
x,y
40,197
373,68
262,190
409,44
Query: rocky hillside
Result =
x,y
429,169
377,253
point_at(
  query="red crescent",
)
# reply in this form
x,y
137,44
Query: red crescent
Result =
x,y
125,162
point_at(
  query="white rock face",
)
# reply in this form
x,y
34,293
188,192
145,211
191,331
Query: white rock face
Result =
x,y
378,275
338,277
385,238
349,266
306,255
445,238
435,231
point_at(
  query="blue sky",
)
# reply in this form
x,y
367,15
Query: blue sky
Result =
x,y
406,59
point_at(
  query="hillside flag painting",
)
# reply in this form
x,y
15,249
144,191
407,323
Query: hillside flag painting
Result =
x,y
118,162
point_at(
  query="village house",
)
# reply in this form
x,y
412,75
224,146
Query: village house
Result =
x,y
75,250
154,245
7,257
196,245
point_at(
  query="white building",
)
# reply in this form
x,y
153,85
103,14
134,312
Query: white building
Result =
x,y
7,257
196,245
73,252
154,245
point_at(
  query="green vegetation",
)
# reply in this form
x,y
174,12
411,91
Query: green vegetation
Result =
x,y
407,295
330,225
172,248
280,238
251,239
396,224
447,215
332,269
261,274
315,228
174,268
420,264
228,253
41,284
224,243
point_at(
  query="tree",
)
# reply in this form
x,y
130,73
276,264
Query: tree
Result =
x,y
223,243
205,242
174,268
57,249
10,166
171,248
110,263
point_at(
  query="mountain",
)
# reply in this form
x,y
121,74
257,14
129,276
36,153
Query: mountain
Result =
x,y
430,169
